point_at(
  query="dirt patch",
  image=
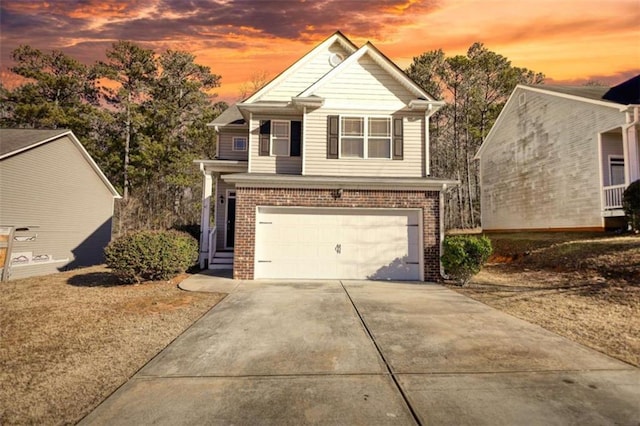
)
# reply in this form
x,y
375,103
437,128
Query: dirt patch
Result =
x,y
68,340
585,287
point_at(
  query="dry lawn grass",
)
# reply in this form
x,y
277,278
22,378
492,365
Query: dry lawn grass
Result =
x,y
69,340
582,286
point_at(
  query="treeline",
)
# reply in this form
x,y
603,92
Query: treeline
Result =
x,y
142,117
476,86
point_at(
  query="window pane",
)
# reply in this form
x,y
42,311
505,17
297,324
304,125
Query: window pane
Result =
x,y
379,148
280,129
352,147
353,126
239,144
617,172
380,127
280,147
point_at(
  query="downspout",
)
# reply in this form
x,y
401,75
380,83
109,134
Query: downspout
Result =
x,y
217,130
427,142
303,138
441,196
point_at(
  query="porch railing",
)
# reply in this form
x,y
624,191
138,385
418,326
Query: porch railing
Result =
x,y
212,245
613,196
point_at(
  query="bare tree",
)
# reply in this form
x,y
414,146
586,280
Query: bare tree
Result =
x,y
255,83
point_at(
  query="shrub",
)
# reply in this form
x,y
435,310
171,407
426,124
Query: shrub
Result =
x,y
464,255
151,255
631,205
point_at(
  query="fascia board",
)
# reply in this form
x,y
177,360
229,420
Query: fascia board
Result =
x,y
34,145
619,107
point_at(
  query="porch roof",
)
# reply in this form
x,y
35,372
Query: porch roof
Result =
x,y
222,166
267,180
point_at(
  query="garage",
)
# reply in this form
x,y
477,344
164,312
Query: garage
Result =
x,y
338,243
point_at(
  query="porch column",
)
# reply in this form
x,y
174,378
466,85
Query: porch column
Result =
x,y
631,149
207,189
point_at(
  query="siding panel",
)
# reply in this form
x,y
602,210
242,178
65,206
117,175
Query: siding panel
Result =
x,y
541,169
363,83
316,162
52,186
305,76
225,149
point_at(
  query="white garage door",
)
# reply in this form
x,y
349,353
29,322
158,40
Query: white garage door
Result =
x,y
322,243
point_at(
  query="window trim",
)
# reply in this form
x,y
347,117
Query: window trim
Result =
x,y
271,138
365,137
618,160
233,143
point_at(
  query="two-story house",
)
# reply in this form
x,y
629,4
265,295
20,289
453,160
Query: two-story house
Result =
x,y
324,173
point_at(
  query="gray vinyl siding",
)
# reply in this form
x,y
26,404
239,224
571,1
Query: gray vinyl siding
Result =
x,y
220,212
304,76
315,150
225,147
272,164
541,169
53,186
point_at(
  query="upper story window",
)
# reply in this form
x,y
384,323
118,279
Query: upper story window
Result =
x,y
365,137
352,137
239,143
280,138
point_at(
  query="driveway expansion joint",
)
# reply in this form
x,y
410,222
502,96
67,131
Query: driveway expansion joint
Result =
x,y
384,360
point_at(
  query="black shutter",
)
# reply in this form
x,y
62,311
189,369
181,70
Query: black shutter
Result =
x,y
397,142
265,132
296,137
332,136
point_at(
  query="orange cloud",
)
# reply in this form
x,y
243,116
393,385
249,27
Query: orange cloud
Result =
x,y
566,40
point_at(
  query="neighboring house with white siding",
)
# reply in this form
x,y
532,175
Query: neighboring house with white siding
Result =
x,y
56,199
324,173
560,158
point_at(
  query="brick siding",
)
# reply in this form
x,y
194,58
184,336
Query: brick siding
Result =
x,y
247,199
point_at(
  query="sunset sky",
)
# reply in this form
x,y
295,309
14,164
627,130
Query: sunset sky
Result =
x,y
570,41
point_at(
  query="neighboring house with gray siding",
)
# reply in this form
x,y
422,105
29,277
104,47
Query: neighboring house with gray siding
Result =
x,y
57,199
324,173
560,158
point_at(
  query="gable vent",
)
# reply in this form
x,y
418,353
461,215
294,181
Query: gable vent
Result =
x,y
335,59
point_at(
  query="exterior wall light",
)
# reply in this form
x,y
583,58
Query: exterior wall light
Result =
x,y
222,199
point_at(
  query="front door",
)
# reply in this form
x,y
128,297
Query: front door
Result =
x,y
231,220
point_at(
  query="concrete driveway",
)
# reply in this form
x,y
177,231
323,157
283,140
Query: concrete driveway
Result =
x,y
370,353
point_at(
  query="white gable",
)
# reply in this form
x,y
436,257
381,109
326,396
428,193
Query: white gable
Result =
x,y
364,84
306,71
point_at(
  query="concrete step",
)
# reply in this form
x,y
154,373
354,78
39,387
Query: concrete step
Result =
x,y
222,260
223,254
222,266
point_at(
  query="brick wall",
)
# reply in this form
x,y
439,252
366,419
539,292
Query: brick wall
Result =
x,y
247,199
